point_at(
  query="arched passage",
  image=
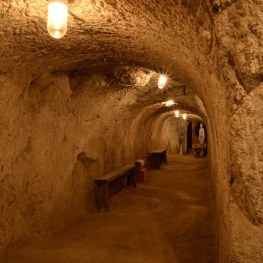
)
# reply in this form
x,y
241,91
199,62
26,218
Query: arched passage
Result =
x,y
91,91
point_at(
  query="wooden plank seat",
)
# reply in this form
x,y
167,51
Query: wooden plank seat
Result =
x,y
109,184
157,157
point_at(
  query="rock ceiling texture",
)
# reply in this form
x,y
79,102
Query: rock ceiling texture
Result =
x,y
93,93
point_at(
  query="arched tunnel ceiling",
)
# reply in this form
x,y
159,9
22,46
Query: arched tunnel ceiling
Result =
x,y
111,38
143,84
176,35
120,31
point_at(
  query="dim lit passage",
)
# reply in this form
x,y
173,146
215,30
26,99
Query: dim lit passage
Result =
x,y
157,157
109,184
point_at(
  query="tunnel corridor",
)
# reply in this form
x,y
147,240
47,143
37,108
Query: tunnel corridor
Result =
x,y
166,219
84,97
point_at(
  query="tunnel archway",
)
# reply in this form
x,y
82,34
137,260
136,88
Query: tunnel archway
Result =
x,y
92,91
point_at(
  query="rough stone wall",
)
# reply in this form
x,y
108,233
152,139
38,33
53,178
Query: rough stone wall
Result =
x,y
58,133
246,175
60,129
55,139
90,129
171,132
239,34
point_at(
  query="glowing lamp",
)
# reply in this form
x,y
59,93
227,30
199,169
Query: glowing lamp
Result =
x,y
169,103
57,18
162,81
176,113
184,116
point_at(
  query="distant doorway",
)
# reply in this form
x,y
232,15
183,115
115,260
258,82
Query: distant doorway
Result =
x,y
192,135
189,138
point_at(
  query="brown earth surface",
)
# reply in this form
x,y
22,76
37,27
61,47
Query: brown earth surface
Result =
x,y
167,219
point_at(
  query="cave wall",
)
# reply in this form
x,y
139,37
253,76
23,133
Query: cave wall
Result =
x,y
87,123
55,140
239,35
58,132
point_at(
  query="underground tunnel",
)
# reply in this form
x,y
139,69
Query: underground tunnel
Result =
x,y
78,104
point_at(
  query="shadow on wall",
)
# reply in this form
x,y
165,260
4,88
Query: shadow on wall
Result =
x,y
82,184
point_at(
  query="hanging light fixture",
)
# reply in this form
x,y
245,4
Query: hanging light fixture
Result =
x,y
184,116
57,18
162,81
177,113
169,103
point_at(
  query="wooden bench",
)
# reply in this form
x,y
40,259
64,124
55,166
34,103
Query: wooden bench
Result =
x,y
157,157
108,184
199,150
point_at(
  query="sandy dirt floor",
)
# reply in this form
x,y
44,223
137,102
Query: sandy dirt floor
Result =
x,y
165,220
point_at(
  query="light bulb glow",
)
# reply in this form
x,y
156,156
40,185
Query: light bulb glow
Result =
x,y
177,113
57,18
169,103
184,116
162,81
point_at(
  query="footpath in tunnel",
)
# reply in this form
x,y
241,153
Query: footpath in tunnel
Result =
x,y
165,220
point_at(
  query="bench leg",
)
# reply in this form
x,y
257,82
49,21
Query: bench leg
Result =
x,y
155,160
132,178
101,195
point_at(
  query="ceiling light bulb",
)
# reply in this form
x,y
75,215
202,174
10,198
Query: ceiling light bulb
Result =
x,y
169,103
176,113
162,81
184,116
57,18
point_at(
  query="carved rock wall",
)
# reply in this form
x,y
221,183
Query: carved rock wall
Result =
x,y
63,123
238,31
58,140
